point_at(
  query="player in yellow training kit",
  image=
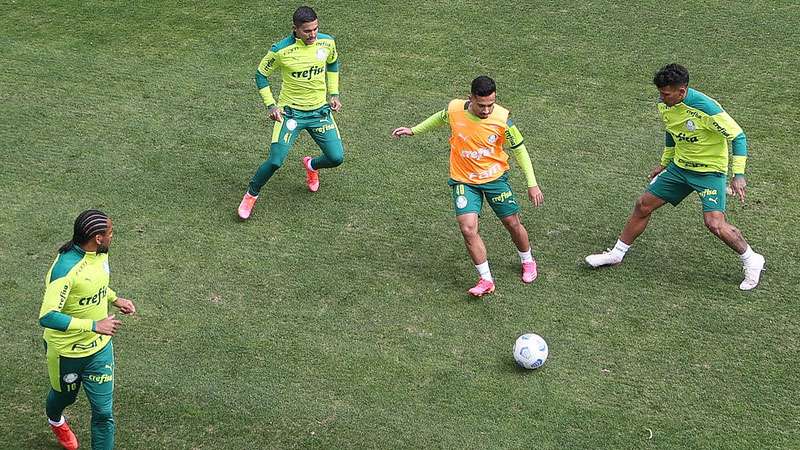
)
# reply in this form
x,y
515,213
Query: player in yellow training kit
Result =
x,y
695,159
78,329
478,169
309,67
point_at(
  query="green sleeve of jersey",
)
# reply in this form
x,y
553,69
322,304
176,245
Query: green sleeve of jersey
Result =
x,y
332,82
332,71
739,145
63,322
55,320
516,144
111,296
437,120
669,149
265,69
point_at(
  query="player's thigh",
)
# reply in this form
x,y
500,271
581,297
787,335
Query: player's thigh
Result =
x,y
466,199
64,373
711,188
98,378
284,133
670,187
325,133
500,197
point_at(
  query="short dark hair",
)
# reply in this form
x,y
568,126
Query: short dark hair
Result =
x,y
303,14
483,86
671,75
88,224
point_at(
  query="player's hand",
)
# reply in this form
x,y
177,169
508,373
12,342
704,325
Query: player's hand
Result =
x,y
738,186
535,195
402,131
125,306
276,114
335,103
656,170
107,326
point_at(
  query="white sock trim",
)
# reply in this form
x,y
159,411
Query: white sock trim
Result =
x,y
525,256
748,252
621,246
483,270
57,424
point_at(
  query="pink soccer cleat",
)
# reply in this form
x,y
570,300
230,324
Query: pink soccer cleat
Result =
x,y
312,176
246,206
529,272
65,436
482,288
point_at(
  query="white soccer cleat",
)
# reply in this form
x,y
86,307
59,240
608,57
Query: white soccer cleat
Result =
x,y
752,272
607,258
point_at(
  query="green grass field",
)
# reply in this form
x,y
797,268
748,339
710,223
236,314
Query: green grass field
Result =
x,y
340,319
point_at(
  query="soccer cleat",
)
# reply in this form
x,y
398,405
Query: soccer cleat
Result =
x,y
246,206
312,176
529,272
65,436
607,258
752,272
482,288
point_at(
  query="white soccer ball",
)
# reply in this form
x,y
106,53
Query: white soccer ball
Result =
x,y
530,351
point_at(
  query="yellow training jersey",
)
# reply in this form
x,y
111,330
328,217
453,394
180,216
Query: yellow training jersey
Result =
x,y
308,72
697,134
76,295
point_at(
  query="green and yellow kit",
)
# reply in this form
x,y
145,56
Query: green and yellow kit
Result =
x,y
308,72
76,295
697,134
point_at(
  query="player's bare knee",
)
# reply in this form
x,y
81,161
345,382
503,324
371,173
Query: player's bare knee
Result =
x,y
470,231
640,209
715,225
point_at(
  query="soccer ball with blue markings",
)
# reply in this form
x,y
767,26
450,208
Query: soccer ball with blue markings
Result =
x,y
530,351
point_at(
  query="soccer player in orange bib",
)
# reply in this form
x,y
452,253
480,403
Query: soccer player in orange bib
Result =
x,y
478,169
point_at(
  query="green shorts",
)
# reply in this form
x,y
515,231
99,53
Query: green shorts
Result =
x,y
674,184
318,122
468,198
96,371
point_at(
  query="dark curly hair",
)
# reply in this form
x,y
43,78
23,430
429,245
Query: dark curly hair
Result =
x,y
671,75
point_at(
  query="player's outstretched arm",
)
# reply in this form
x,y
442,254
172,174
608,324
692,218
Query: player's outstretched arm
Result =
x,y
436,120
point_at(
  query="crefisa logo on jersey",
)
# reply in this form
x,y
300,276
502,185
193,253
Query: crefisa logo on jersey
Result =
x,y
70,378
690,125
